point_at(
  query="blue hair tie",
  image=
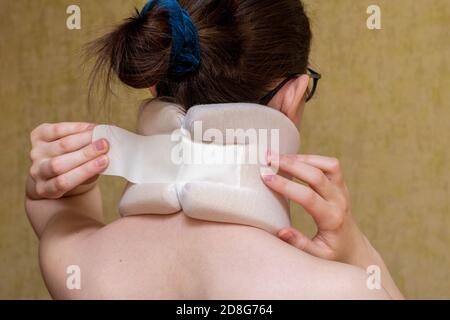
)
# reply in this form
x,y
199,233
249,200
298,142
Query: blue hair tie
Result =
x,y
185,56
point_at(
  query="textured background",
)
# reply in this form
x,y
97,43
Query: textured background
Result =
x,y
382,108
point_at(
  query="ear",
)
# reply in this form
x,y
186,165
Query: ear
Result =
x,y
153,91
291,98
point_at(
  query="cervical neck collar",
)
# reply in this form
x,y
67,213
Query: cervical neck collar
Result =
x,y
208,184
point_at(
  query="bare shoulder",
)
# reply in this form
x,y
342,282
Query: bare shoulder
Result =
x,y
314,278
264,267
341,281
299,275
125,259
63,251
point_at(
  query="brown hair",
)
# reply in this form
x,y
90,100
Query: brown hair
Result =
x,y
246,45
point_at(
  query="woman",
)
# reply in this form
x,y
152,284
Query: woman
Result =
x,y
213,52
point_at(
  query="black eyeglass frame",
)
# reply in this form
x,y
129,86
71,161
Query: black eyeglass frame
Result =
x,y
312,74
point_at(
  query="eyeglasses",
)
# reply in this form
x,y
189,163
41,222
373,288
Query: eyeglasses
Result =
x,y
315,76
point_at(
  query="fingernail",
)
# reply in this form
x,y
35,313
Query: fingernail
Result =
x,y
100,145
91,126
101,162
268,177
287,236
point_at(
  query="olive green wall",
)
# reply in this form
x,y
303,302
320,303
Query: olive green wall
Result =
x,y
382,108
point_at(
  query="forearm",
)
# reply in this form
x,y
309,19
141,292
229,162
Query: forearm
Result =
x,y
84,200
368,256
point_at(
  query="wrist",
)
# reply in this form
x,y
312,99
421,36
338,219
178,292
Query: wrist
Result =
x,y
362,253
365,254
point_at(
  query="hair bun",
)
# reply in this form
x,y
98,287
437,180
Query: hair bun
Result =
x,y
138,51
185,54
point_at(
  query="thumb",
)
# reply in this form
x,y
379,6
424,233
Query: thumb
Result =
x,y
302,242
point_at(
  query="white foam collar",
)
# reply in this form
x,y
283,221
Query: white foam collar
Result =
x,y
205,163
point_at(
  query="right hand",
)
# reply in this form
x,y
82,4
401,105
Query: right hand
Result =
x,y
64,159
324,195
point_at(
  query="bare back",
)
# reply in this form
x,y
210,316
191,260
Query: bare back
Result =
x,y
175,257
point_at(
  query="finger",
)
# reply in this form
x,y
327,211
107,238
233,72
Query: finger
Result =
x,y
302,242
53,131
311,175
64,163
310,200
91,180
331,166
68,181
68,144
